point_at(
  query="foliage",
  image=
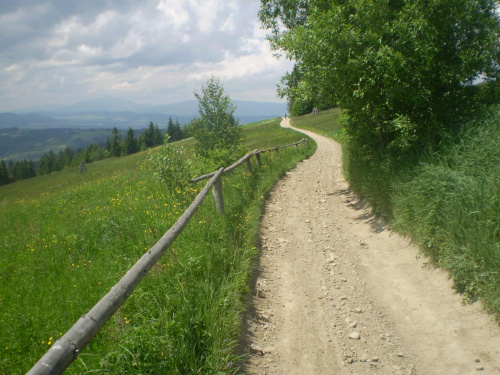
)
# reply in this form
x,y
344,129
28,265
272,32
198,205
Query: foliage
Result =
x,y
192,127
402,70
151,137
174,130
217,128
130,144
170,166
451,207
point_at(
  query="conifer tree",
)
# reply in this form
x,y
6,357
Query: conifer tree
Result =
x,y
4,174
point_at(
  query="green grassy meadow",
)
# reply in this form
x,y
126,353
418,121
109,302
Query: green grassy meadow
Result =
x,y
447,200
66,239
327,123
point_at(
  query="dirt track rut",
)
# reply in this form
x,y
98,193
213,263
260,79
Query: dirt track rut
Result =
x,y
337,293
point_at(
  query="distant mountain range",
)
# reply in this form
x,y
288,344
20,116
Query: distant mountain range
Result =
x,y
108,112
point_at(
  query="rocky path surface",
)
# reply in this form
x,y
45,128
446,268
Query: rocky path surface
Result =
x,y
337,293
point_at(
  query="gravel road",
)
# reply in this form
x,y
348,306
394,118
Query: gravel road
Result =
x,y
338,293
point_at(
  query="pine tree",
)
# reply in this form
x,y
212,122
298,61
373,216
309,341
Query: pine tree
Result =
x,y
4,174
171,130
158,136
129,143
115,143
147,138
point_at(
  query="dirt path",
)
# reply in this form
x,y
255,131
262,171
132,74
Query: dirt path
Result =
x,y
338,294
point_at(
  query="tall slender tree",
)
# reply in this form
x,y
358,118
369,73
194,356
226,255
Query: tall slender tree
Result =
x,y
218,129
130,145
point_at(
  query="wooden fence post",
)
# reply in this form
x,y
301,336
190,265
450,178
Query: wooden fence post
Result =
x,y
218,196
257,156
249,165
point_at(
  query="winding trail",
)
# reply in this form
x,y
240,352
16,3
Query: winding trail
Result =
x,y
338,293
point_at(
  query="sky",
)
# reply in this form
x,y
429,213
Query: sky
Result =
x,y
58,52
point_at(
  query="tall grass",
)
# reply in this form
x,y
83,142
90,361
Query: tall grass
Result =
x,y
65,244
451,207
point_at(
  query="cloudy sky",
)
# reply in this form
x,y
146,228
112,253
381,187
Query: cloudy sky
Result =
x,y
148,51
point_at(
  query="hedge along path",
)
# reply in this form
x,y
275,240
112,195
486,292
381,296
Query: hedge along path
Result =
x,y
69,346
338,293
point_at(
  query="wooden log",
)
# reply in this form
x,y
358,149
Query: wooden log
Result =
x,y
204,177
68,347
238,163
218,196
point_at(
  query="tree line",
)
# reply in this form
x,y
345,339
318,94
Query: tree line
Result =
x,y
116,145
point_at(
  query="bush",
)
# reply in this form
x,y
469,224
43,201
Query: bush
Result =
x,y
170,166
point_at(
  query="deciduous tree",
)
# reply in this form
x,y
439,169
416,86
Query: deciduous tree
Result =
x,y
403,70
218,129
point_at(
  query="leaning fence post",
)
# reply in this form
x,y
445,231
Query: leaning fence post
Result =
x,y
249,165
218,197
257,156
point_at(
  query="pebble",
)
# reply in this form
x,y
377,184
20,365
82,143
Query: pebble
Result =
x,y
355,336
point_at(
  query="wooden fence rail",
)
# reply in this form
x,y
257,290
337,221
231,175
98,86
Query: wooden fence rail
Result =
x,y
69,346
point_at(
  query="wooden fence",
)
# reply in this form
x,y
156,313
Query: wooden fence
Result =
x,y
69,346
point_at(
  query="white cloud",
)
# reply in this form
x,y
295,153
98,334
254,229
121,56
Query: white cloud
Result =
x,y
175,13
228,24
150,51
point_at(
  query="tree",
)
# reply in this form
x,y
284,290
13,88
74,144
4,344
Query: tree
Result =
x,y
157,136
218,129
107,145
130,145
192,128
4,174
115,143
148,136
403,70
179,134
174,130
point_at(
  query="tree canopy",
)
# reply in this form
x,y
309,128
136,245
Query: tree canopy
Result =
x,y
402,69
217,128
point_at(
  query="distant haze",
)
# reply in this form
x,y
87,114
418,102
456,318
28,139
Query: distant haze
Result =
x,y
108,112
